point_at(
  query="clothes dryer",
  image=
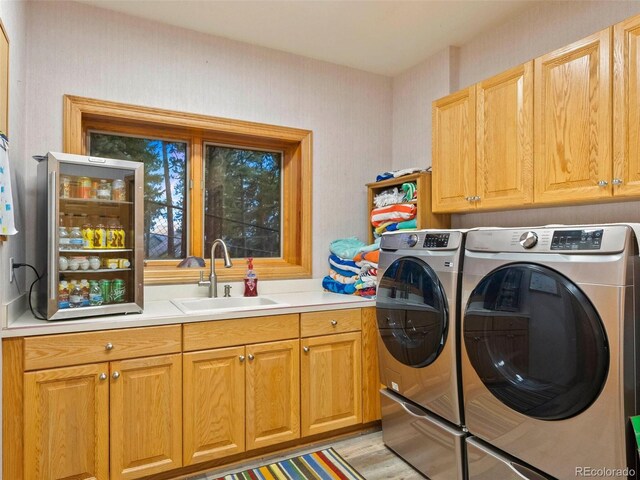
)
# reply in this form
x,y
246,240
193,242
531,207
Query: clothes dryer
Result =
x,y
549,363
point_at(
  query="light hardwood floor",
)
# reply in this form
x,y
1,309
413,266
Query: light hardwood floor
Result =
x,y
366,453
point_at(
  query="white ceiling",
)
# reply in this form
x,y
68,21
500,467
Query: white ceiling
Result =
x,y
384,37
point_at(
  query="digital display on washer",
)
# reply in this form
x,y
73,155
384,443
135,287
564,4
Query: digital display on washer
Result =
x,y
436,240
577,240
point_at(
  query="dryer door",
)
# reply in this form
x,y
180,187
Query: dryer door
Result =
x,y
536,341
412,312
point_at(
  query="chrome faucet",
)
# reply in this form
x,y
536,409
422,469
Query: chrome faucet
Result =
x,y
212,283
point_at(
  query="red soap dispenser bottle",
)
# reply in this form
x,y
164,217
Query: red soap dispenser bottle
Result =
x,y
250,281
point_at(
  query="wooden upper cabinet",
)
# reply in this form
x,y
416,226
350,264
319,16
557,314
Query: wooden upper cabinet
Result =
x,y
454,151
213,393
273,393
146,416
626,107
66,430
504,152
572,90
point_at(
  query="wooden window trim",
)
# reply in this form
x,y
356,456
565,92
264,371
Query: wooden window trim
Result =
x,y
81,114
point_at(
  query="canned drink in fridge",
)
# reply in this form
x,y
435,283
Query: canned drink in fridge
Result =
x,y
118,291
105,288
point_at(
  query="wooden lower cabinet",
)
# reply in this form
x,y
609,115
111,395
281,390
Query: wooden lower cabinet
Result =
x,y
213,399
118,420
331,386
66,415
273,393
146,416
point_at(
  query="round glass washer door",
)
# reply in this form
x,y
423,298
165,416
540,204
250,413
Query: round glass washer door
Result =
x,y
412,312
536,341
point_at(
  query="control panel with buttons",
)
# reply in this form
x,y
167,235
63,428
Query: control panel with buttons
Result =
x,y
436,240
577,239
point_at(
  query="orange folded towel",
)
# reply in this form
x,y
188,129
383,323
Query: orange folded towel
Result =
x,y
371,257
393,213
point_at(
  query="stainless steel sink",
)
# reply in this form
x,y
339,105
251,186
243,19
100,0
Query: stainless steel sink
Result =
x,y
201,305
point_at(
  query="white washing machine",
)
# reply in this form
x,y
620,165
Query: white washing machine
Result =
x,y
549,363
417,313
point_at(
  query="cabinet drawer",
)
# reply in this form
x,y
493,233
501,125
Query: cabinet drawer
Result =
x,y
240,331
75,348
333,321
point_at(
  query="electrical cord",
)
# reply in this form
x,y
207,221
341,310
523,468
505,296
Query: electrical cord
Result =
x,y
38,277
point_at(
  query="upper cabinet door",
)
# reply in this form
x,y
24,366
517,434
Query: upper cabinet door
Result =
x,y
573,121
626,107
454,152
505,138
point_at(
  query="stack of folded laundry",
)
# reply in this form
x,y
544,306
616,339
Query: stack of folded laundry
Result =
x,y
393,217
353,267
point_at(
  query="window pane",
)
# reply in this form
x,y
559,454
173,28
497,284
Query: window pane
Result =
x,y
165,170
242,201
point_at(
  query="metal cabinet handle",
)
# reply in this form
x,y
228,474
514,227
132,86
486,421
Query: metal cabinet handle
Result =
x,y
476,198
306,349
616,181
103,376
108,346
334,322
603,183
251,357
241,358
116,375
468,199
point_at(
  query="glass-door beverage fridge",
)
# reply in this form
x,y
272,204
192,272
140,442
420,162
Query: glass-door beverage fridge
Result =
x,y
90,210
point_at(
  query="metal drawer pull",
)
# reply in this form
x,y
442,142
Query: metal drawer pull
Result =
x,y
108,346
103,376
603,183
306,349
241,358
251,357
334,322
617,181
116,375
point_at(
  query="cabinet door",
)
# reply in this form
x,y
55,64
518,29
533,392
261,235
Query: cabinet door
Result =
x,y
213,397
146,416
626,114
273,393
454,152
66,413
505,138
331,383
573,122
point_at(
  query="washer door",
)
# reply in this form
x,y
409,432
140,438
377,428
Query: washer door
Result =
x,y
412,312
536,341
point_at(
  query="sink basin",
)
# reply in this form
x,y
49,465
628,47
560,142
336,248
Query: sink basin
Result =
x,y
200,305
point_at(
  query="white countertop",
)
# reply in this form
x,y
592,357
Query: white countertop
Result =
x,y
164,312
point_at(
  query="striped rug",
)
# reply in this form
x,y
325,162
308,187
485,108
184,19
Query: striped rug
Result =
x,y
320,465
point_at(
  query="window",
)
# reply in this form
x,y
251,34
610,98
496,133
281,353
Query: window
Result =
x,y
207,178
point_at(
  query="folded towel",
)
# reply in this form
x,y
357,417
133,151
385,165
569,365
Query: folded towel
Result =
x,y
392,227
393,213
365,282
372,257
366,292
370,248
346,279
330,284
383,227
397,173
409,190
389,197
407,225
338,263
346,247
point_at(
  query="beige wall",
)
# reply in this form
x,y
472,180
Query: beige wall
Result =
x,y
13,15
81,50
